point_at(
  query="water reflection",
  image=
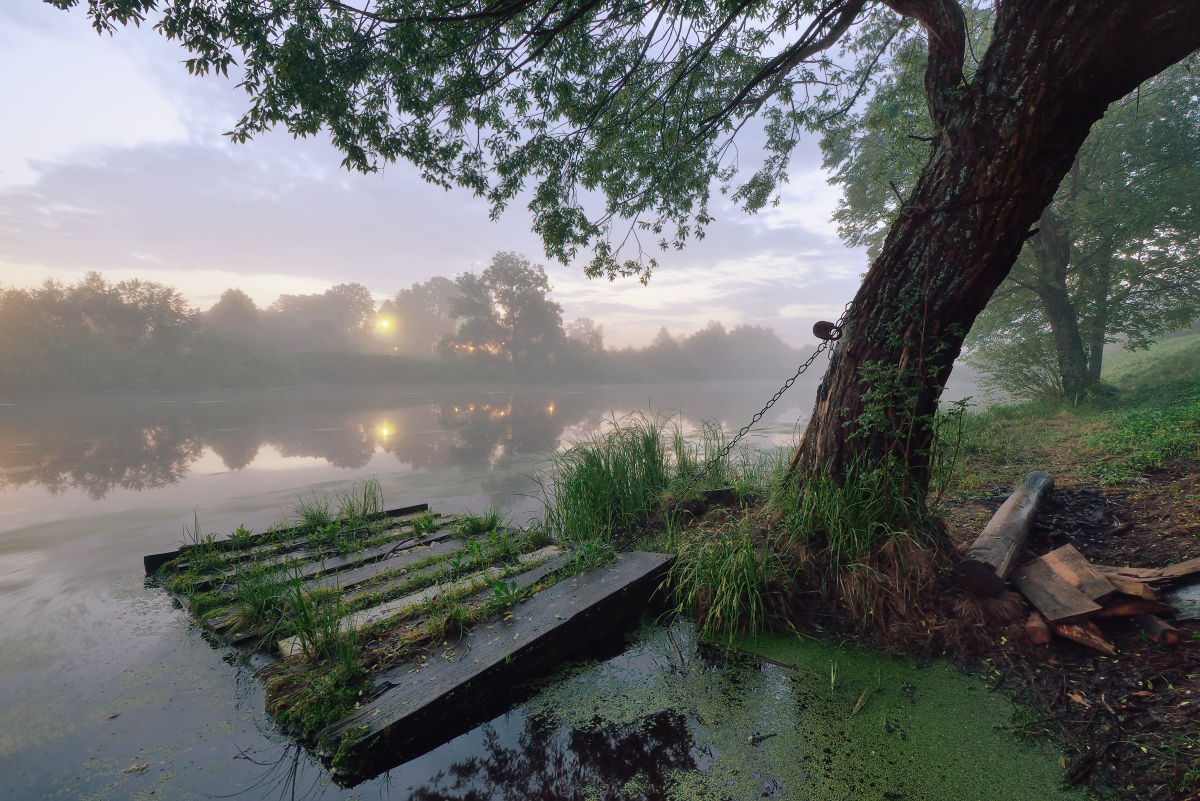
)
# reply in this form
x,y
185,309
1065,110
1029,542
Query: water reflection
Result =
x,y
147,441
550,762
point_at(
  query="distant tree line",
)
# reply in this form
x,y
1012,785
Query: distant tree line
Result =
x,y
498,325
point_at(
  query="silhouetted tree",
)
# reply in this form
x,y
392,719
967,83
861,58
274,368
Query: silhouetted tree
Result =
x,y
505,314
235,313
421,315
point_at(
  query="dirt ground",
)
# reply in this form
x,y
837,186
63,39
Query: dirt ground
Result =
x,y
1130,723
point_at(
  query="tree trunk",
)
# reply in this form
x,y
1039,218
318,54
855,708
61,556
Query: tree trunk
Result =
x,y
1095,325
1051,248
1002,147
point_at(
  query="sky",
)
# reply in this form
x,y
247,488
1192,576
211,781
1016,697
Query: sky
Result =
x,y
112,159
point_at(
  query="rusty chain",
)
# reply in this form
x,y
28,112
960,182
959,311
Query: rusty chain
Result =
x,y
834,334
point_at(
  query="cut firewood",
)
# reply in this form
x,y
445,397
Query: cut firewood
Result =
x,y
1085,633
1159,630
1132,607
1135,589
1038,630
991,557
1076,570
1057,600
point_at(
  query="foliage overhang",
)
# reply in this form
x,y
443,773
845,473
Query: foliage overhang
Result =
x,y
618,116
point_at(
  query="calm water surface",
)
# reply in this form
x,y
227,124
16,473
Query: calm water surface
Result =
x,y
100,675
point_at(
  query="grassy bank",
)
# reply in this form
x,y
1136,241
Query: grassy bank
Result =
x,y
851,559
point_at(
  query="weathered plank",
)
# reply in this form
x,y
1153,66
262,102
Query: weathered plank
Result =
x,y
152,562
415,711
1052,595
382,613
1071,566
990,558
1182,569
324,563
351,579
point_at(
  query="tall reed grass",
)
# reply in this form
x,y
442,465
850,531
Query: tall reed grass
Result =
x,y
615,480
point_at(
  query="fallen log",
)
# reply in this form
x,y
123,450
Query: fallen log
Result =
x,y
990,558
1052,595
1085,633
1037,629
1134,607
1071,566
1159,630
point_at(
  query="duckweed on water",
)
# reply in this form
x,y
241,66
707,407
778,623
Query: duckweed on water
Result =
x,y
760,729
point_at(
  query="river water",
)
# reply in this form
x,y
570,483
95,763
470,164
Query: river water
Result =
x,y
108,691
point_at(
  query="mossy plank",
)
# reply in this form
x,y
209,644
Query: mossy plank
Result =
x,y
152,562
415,711
351,579
399,607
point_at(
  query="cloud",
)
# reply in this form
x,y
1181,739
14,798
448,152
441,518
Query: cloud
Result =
x,y
140,183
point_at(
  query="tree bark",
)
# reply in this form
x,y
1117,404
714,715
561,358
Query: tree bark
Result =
x,y
1003,144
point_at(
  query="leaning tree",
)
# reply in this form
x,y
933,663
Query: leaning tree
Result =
x,y
618,118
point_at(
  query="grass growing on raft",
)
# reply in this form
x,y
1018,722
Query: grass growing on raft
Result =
x,y
613,481
492,518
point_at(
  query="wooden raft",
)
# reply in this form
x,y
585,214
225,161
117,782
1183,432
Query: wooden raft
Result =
x,y
419,706
413,708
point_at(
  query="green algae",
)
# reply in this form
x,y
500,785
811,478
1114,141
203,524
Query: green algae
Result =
x,y
759,729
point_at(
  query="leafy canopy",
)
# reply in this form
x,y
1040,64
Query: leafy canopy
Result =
x,y
617,116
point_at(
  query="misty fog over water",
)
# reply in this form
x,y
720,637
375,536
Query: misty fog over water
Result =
x,y
91,483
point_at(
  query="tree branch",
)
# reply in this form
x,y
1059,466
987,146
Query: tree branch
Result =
x,y
946,26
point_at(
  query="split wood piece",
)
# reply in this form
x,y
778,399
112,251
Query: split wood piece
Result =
x,y
1085,633
292,646
1076,570
152,562
1136,606
472,679
1052,595
1134,589
1130,573
990,559
1038,630
1153,575
1159,630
